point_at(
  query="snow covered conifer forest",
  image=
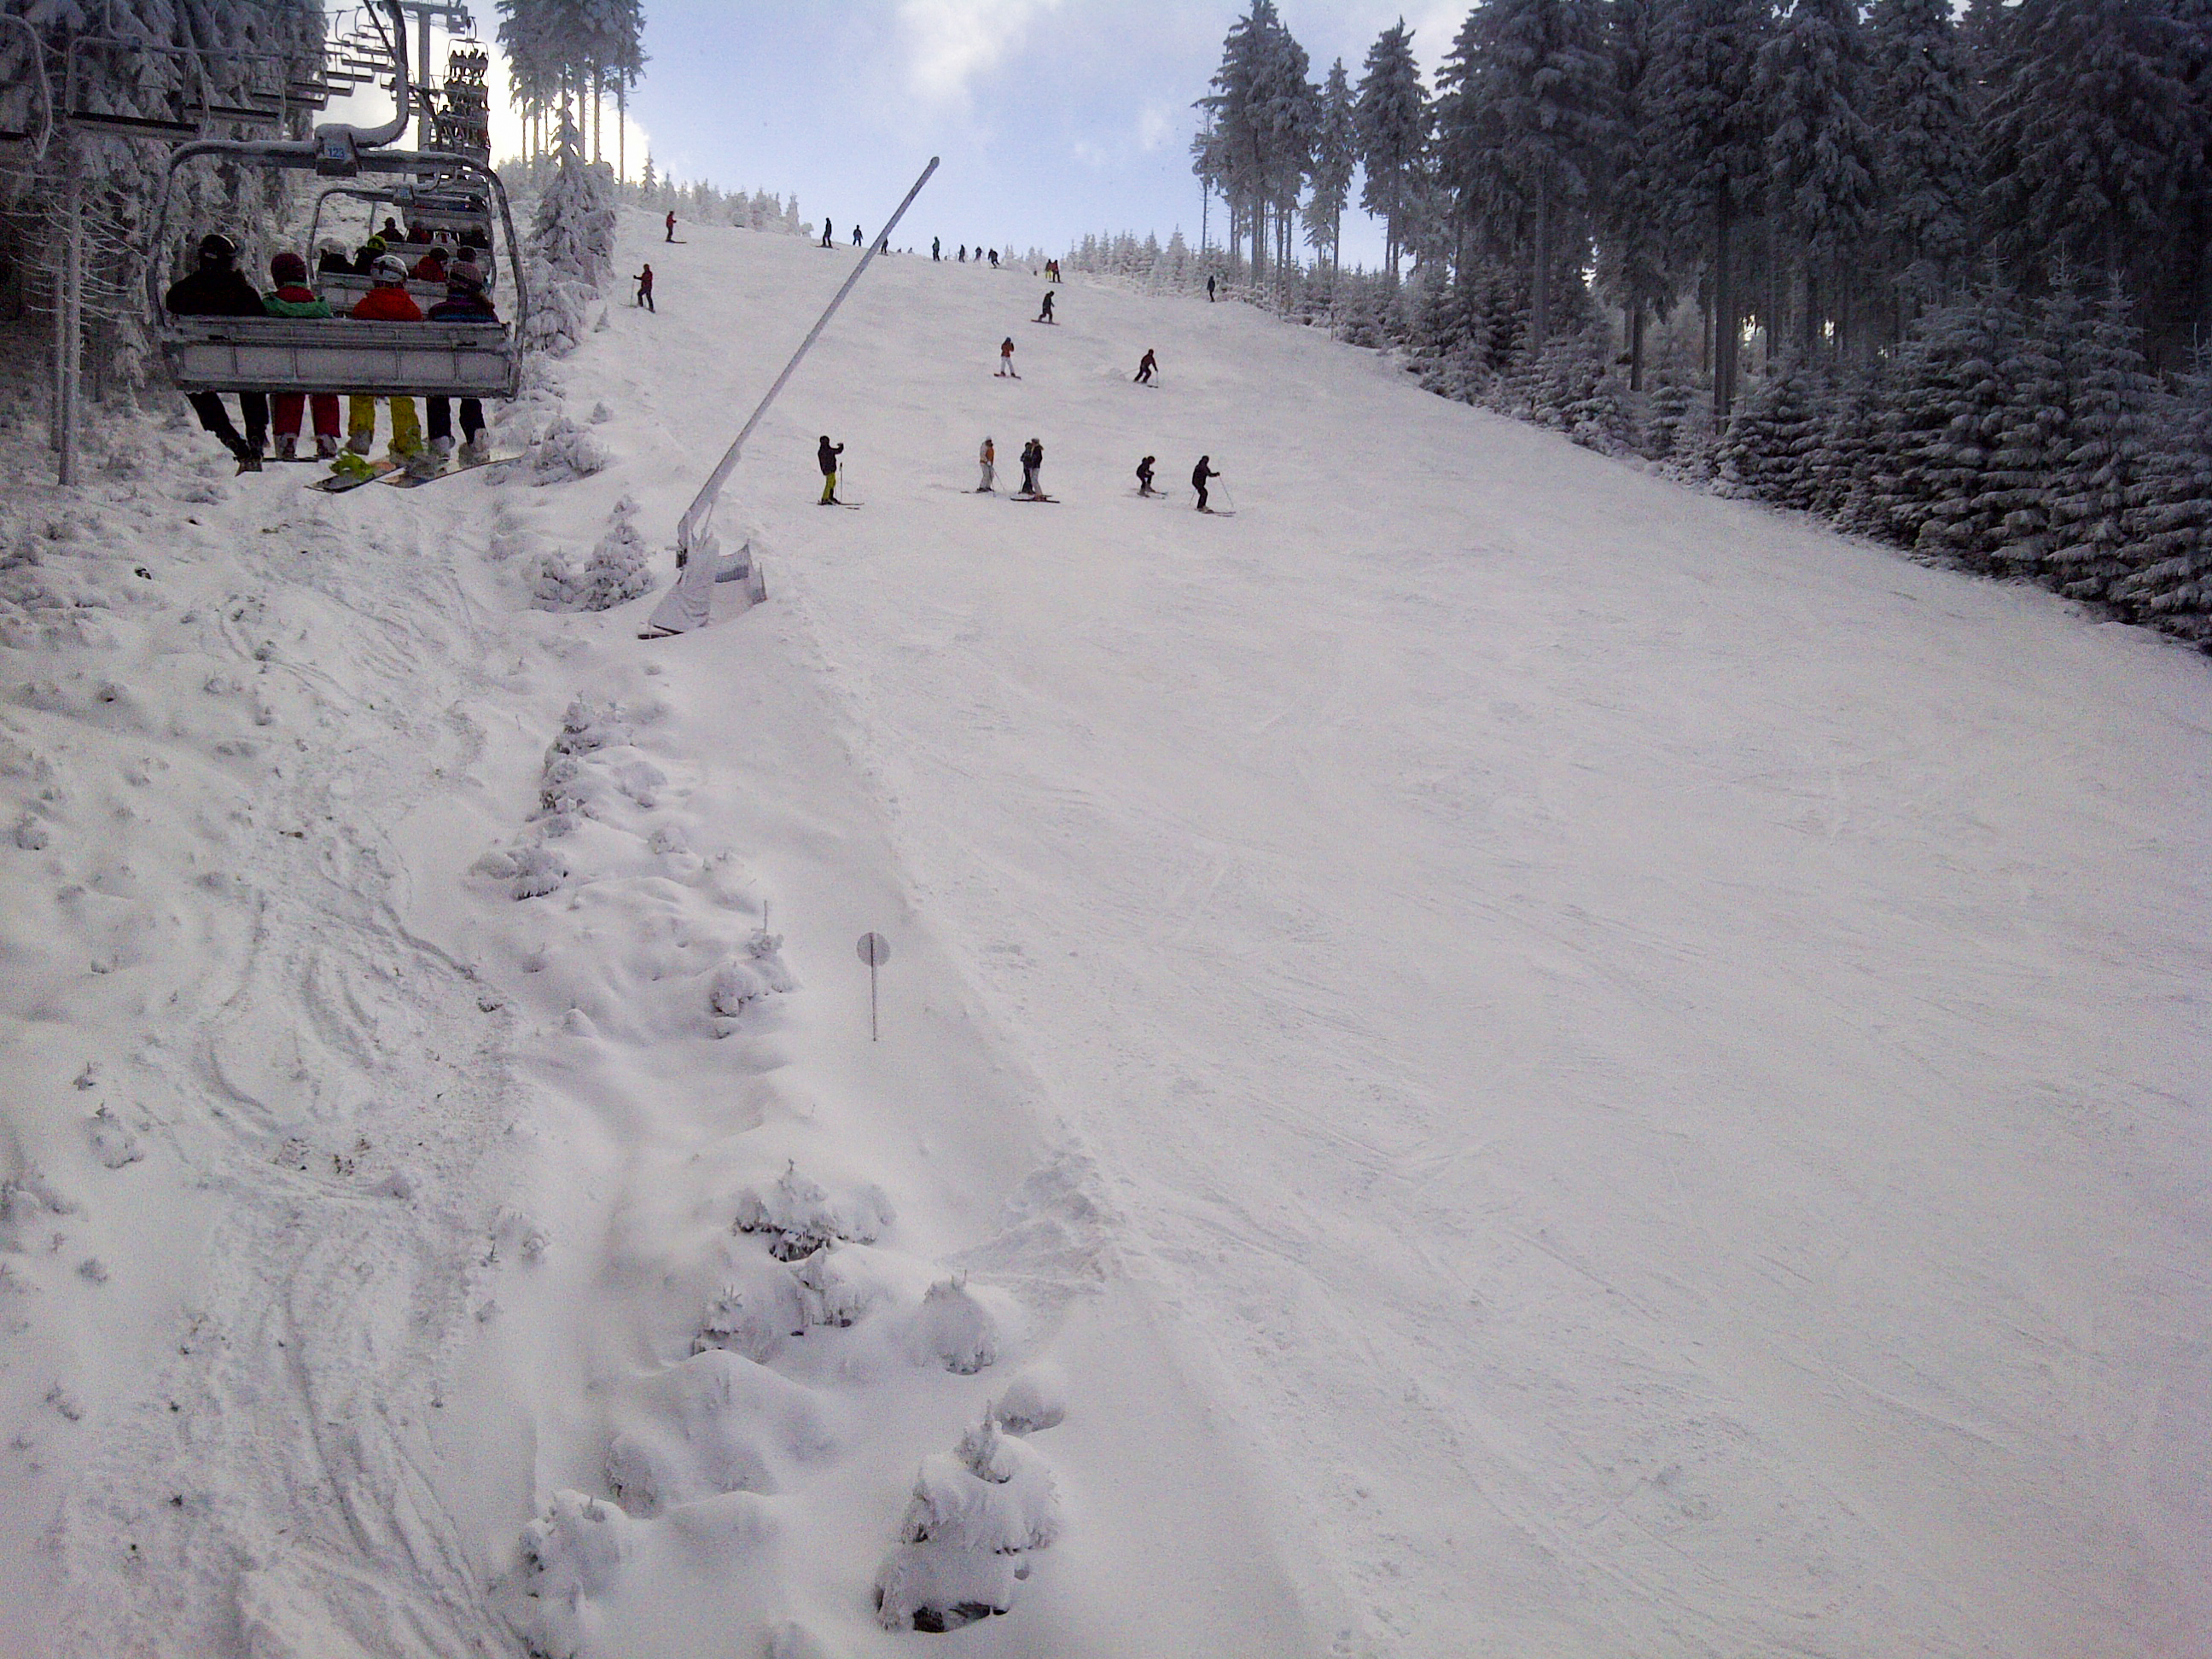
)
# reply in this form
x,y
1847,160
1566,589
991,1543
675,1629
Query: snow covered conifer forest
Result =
x,y
1811,217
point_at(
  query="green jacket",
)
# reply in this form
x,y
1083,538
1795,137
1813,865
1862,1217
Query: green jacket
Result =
x,y
293,301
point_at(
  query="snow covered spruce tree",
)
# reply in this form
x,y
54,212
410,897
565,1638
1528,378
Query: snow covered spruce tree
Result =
x,y
572,241
1821,159
129,65
1257,147
1336,159
1918,107
1393,120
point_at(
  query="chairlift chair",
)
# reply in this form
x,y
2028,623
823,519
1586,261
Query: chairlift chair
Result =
x,y
342,355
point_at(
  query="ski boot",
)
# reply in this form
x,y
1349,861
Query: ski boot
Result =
x,y
288,448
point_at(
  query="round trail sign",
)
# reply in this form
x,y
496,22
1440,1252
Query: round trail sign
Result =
x,y
874,949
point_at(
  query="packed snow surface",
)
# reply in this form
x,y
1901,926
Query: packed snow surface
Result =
x,y
1485,1057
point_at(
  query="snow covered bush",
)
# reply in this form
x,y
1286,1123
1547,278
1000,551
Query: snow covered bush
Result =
x,y
955,1329
975,1513
615,572
573,231
565,451
806,1218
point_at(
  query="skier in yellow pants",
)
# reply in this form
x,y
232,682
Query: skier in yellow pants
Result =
x,y
361,426
387,302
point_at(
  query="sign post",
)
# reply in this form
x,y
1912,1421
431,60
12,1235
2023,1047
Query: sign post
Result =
x,y
874,949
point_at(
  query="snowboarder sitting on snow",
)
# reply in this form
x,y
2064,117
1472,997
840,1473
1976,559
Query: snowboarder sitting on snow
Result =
x,y
826,457
465,302
1045,316
1144,477
216,289
645,290
1199,475
1006,359
292,297
386,302
1147,365
988,458
1032,464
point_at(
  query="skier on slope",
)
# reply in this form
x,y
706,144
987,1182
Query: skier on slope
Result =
x,y
1199,475
671,224
215,289
994,258
465,302
1209,288
987,459
825,230
292,297
1045,316
1147,366
1144,477
936,249
1007,359
645,290
1032,464
856,235
825,457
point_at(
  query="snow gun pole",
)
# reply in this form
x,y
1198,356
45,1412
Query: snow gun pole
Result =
x,y
703,504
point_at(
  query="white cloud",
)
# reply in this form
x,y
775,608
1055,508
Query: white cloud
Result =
x,y
1155,126
953,41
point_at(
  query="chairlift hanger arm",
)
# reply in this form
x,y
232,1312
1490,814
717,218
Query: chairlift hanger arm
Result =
x,y
37,76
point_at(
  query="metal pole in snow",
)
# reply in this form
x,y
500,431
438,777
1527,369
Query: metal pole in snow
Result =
x,y
874,949
696,515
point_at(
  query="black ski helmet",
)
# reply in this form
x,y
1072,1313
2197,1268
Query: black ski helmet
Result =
x,y
216,249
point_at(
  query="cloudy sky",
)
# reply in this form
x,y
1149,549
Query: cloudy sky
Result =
x,y
1053,116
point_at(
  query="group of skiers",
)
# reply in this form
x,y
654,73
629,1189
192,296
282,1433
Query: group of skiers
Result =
x,y
215,288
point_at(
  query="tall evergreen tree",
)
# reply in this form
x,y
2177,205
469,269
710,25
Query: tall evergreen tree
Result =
x,y
1820,154
1631,239
1393,119
1336,157
2090,142
1705,133
1533,108
1920,107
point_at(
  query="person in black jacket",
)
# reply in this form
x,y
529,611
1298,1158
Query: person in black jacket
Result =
x,y
826,457
1147,366
215,289
1199,475
465,302
1144,477
1032,465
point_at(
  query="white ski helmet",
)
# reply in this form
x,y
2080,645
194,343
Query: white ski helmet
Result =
x,y
389,269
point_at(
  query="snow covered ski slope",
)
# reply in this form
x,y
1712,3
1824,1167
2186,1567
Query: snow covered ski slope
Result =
x,y
1539,1064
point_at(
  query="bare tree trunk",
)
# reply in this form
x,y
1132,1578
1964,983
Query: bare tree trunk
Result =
x,y
1539,301
1636,344
621,132
1726,335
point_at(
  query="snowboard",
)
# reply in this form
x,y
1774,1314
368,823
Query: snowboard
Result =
x,y
339,483
1019,496
403,479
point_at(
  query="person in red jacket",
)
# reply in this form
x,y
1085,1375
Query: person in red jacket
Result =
x,y
431,267
671,224
387,302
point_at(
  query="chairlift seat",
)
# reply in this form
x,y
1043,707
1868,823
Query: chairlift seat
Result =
x,y
343,290
374,359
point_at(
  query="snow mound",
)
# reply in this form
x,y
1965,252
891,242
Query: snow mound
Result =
x,y
975,1513
577,1547
955,1329
113,1142
718,1422
1035,1400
